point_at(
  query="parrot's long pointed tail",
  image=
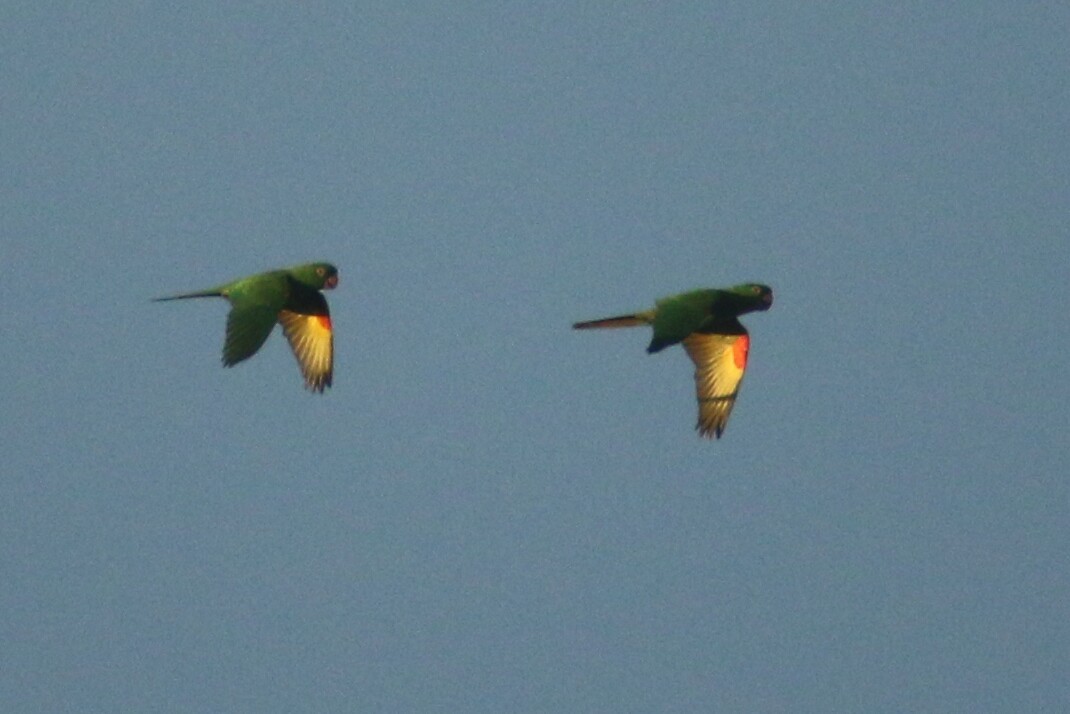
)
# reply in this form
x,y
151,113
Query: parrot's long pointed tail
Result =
x,y
618,321
215,292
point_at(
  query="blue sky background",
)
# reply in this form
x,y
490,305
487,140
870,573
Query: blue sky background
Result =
x,y
490,512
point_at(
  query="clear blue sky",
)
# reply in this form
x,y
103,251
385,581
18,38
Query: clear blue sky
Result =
x,y
490,512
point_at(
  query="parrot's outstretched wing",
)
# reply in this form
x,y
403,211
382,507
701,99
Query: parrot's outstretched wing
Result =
x,y
720,361
248,326
312,341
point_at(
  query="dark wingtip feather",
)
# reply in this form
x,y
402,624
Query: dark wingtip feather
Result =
x,y
709,432
318,386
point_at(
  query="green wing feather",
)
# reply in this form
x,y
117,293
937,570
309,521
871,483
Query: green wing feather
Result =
x,y
255,303
248,328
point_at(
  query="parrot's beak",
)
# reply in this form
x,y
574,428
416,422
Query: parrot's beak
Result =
x,y
768,300
331,282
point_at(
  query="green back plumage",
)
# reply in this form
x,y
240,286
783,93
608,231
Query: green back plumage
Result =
x,y
707,310
263,288
279,286
269,285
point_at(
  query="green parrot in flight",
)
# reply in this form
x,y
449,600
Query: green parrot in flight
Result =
x,y
292,298
707,323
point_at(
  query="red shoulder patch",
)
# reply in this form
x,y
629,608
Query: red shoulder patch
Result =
x,y
739,351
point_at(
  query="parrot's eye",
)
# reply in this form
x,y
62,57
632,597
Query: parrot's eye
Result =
x,y
756,289
320,272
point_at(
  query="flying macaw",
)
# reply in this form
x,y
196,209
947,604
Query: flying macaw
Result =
x,y
292,298
706,322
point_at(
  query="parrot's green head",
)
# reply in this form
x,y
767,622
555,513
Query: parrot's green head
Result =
x,y
752,296
318,276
